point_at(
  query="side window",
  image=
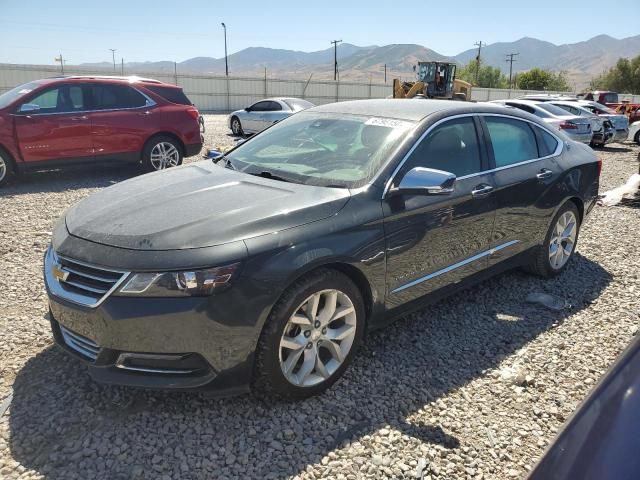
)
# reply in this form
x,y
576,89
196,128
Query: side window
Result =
x,y
512,140
60,100
113,97
451,146
260,107
547,143
274,106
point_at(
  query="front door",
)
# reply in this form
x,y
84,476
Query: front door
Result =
x,y
58,129
436,240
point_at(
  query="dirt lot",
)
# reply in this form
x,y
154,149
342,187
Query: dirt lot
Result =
x,y
474,387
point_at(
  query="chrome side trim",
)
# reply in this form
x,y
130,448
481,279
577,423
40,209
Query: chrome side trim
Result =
x,y
450,268
557,152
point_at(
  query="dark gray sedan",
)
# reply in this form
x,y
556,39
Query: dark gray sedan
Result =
x,y
266,268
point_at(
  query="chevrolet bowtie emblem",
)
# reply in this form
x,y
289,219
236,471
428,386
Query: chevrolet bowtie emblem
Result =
x,y
58,273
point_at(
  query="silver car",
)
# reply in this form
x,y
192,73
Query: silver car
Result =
x,y
575,127
264,113
601,127
634,132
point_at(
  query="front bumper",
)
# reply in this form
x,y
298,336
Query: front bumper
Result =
x,y
167,343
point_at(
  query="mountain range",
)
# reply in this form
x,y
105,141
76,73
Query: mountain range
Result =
x,y
581,61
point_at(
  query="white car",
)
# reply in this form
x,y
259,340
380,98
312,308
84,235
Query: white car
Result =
x,y
634,132
264,113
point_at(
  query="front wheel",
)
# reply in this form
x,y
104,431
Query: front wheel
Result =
x,y
236,127
552,257
310,336
161,152
6,168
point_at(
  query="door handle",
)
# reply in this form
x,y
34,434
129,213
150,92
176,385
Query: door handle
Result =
x,y
78,119
544,174
145,113
481,190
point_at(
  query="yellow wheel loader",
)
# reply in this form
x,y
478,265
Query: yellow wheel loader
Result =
x,y
434,80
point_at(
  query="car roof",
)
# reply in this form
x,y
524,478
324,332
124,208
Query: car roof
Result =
x,y
406,109
132,79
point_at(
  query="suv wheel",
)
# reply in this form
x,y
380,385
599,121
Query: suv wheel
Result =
x,y
560,243
6,168
161,152
310,336
236,127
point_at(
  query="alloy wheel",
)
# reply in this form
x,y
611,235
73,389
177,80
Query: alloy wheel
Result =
x,y
164,155
3,169
563,240
235,126
317,338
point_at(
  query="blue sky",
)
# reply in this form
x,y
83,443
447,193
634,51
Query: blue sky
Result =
x,y
35,31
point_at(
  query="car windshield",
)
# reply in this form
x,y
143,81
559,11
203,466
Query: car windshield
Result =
x,y
298,104
8,97
553,110
321,149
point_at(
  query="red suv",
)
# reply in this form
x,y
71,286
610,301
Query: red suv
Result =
x,y
60,121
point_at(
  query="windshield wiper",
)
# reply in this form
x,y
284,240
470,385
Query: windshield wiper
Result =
x,y
269,175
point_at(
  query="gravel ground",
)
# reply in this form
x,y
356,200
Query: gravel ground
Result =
x,y
473,387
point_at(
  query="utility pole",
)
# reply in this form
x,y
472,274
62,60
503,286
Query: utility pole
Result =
x,y
226,61
510,61
479,45
61,60
113,54
335,58
385,73
121,66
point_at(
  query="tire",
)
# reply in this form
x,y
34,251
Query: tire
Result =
x,y
544,263
236,127
161,152
6,168
636,138
295,358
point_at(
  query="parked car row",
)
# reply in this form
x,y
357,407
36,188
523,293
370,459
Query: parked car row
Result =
x,y
59,121
618,124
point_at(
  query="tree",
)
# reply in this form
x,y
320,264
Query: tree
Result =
x,y
541,79
623,78
488,77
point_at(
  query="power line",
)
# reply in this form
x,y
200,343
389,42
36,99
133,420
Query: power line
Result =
x,y
335,58
479,45
510,61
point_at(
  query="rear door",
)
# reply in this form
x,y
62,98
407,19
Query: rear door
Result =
x,y
122,120
60,129
525,169
436,240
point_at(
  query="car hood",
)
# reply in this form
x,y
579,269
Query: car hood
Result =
x,y
199,205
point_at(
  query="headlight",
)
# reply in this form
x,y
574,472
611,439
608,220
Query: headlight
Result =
x,y
195,283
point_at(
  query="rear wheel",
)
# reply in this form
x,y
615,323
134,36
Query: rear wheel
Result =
x,y
236,127
552,257
310,336
161,152
6,168
637,137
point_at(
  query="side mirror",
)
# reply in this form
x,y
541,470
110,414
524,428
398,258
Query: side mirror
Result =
x,y
29,108
247,109
426,181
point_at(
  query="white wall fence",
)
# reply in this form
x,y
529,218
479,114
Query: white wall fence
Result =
x,y
220,93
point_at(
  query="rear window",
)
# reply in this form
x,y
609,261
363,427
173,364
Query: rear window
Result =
x,y
114,97
298,104
553,109
170,94
513,141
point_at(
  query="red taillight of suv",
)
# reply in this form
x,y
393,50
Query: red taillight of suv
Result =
x,y
193,113
567,126
599,165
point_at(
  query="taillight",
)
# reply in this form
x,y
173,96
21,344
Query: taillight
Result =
x,y
599,165
193,113
567,126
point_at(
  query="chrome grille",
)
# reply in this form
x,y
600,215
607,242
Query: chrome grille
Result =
x,y
80,282
82,345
